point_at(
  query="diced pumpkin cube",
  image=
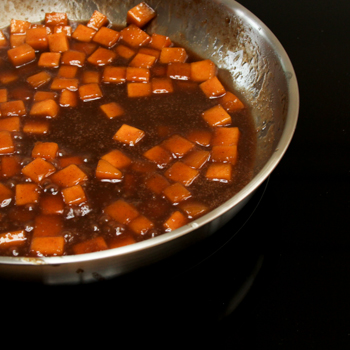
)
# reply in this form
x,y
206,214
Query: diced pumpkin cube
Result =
x,y
176,193
47,225
45,150
149,51
19,26
112,110
114,75
197,158
106,171
39,79
74,195
6,196
47,246
36,127
231,102
136,74
97,20
121,211
51,204
159,155
224,154
92,245
10,124
159,41
12,239
180,172
8,77
175,221
3,95
71,84
102,56
140,14
179,71
124,51
134,36
69,98
87,48
83,33
106,37
129,135
89,92
216,116
203,70
219,172
46,109
27,193
139,89
44,95
63,29
73,58
6,143
21,55
173,54
38,169
10,166
117,159
58,42
90,76
121,241
69,176
68,160
3,39
13,109
177,145
56,19
67,71
49,59
212,88
142,60
224,136
37,38
201,137
162,86
141,225
157,183
193,208
17,39
21,93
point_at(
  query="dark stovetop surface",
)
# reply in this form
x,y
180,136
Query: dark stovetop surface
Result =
x,y
283,281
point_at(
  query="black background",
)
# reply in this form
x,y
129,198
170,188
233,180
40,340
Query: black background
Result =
x,y
282,282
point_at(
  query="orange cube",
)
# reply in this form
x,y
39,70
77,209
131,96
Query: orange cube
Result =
x,y
92,245
63,29
38,169
121,211
180,172
141,225
22,93
19,26
106,37
37,38
45,150
224,136
159,41
105,171
68,160
90,92
216,116
157,183
140,14
176,193
49,59
179,71
10,166
47,246
83,33
12,239
136,74
117,158
3,95
51,204
124,51
224,154
197,158
97,20
13,109
73,58
150,51
173,54
139,89
39,79
8,77
69,99
74,195
58,42
231,102
112,110
221,172
177,145
65,84
56,19
212,88
129,135
66,71
17,40
6,196
176,220
47,226
87,48
162,86
203,70
89,77
46,109
114,75
159,155
142,60
193,208
27,194
133,36
21,55
102,56
201,137
10,124
36,127
69,176
44,95
3,40
6,143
